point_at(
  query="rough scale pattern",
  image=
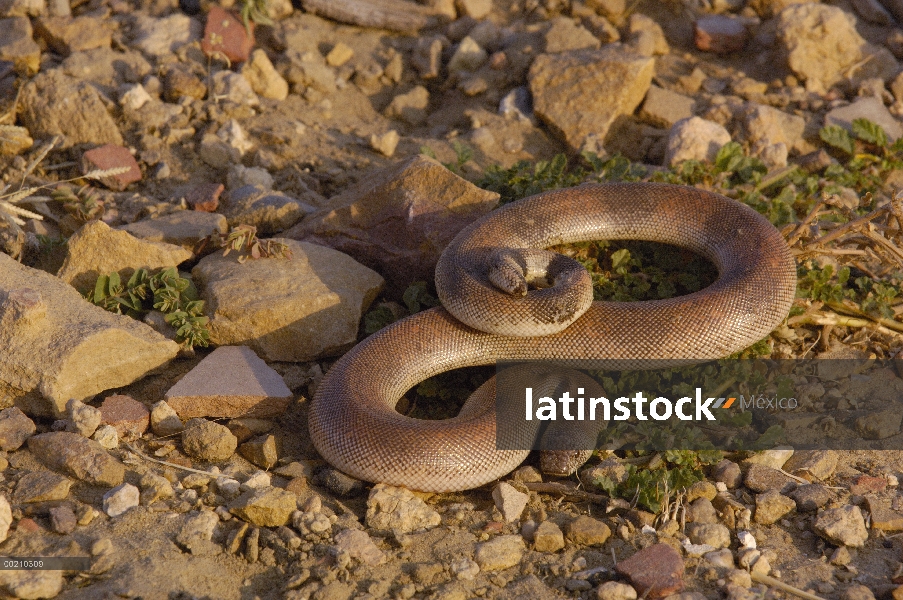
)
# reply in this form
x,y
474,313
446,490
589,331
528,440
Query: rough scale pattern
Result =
x,y
353,423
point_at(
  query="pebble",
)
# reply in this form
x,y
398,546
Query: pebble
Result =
x,y
771,507
206,440
154,487
843,525
695,139
655,572
811,497
548,537
587,531
196,534
164,420
386,143
120,499
106,436
359,546
760,478
721,34
263,77
225,36
709,534
501,552
112,156
398,509
510,501
204,197
83,419
339,483
126,415
339,55
261,451
62,520
80,457
15,428
614,590
41,486
265,507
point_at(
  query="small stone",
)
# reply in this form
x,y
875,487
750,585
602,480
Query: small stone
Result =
x,y
359,546
566,34
770,458
15,428
78,456
476,9
65,35
120,499
197,533
701,510
155,487
510,501
261,451
844,525
263,77
410,107
812,465
501,552
728,472
398,509
179,82
83,419
183,228
841,556
206,440
41,486
204,197
721,558
771,507
857,592
465,569
162,37
709,534
548,537
882,517
226,36
134,97
62,520
339,55
266,507
164,420
33,584
656,571
886,423
721,34
232,381
865,484
108,157
106,436
18,46
810,497
695,139
664,108
760,478
701,489
587,531
129,417
386,143
614,590
6,517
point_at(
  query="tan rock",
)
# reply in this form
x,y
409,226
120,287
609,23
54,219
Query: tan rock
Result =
x,y
582,92
17,45
57,346
96,250
263,77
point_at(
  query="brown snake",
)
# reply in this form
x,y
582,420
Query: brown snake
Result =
x,y
353,423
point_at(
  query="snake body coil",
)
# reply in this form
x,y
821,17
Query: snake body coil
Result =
x,y
353,423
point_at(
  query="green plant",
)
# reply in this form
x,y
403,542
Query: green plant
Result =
x,y
257,11
165,291
83,203
243,239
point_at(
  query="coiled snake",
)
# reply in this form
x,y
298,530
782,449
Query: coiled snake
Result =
x,y
353,423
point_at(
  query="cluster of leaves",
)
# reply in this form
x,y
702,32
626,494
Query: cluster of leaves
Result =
x,y
243,239
165,291
257,11
416,297
823,284
463,153
83,203
867,151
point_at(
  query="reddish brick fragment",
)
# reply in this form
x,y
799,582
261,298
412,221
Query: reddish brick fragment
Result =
x,y
205,197
720,34
225,35
655,572
129,417
112,156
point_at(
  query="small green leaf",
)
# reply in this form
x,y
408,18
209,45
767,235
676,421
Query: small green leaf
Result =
x,y
837,137
620,259
870,132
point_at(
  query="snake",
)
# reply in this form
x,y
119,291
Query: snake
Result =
x,y
490,312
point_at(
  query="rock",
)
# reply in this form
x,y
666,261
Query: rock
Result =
x,y
310,307
866,108
204,197
476,9
196,534
359,546
810,497
410,107
227,146
226,36
6,517
14,140
656,571
162,37
882,517
646,36
253,177
432,202
65,35
398,509
111,156
501,552
232,381
311,521
774,458
548,537
771,507
760,478
155,487
77,456
41,486
509,501
106,436
134,97
468,57
28,585
180,82
465,569
96,250
184,228
664,108
583,92
206,440
587,531
263,77
857,591
266,507
865,484
15,428
566,34
701,510
614,590
695,139
812,464
23,8
386,143
62,520
339,55
821,45
427,56
17,45
765,126
873,11
83,419
261,451
268,211
164,421
721,34
126,415
54,104
338,483
844,525
120,499
709,534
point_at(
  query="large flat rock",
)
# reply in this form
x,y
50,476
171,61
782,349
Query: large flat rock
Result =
x,y
57,346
